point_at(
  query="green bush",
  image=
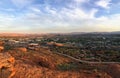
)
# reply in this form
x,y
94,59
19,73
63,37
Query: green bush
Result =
x,y
67,66
7,47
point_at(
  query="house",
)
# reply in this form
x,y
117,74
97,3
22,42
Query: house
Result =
x,y
33,46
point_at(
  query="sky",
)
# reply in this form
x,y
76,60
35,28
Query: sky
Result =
x,y
59,16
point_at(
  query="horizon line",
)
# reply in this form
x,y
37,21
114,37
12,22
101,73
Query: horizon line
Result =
x,y
56,32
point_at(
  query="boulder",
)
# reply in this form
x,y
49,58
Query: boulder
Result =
x,y
1,48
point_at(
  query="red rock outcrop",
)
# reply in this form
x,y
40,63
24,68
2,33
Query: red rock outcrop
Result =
x,y
1,48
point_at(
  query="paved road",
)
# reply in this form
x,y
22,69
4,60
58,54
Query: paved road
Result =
x,y
87,62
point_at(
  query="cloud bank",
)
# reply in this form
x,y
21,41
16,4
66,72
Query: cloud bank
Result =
x,y
46,16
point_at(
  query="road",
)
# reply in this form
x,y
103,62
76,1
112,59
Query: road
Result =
x,y
86,62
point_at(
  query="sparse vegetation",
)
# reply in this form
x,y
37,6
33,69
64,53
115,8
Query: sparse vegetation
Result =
x,y
67,66
46,61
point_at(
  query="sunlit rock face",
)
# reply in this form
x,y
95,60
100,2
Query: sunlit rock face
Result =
x,y
6,65
1,48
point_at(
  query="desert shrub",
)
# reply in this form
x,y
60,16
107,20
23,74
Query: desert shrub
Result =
x,y
67,66
7,47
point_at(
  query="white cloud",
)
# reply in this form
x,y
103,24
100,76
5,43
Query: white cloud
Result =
x,y
78,13
34,9
92,13
6,22
107,23
63,20
50,10
103,3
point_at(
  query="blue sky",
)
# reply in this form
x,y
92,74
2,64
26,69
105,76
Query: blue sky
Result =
x,y
46,16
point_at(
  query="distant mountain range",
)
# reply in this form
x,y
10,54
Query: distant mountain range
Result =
x,y
116,32
72,33
18,34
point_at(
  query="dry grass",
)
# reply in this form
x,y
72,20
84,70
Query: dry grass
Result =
x,y
43,64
